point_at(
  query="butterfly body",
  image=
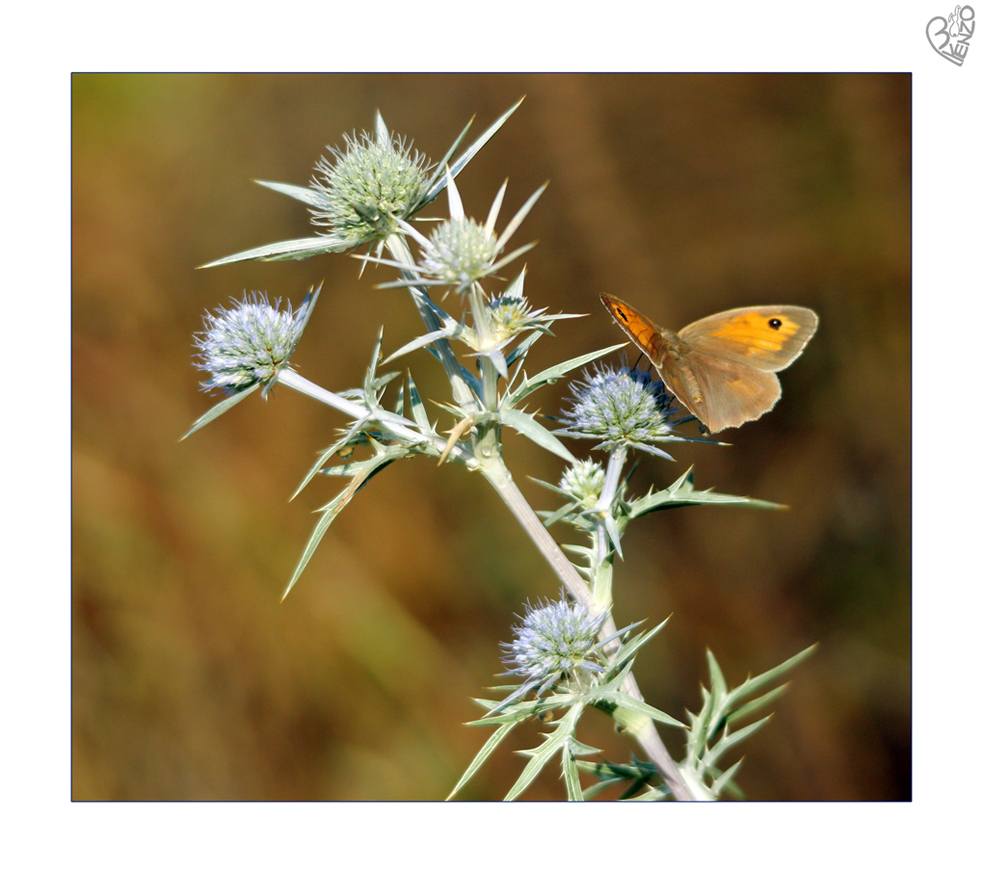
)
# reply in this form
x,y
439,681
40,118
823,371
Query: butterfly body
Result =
x,y
722,368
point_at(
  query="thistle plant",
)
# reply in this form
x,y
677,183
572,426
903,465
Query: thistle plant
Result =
x,y
568,655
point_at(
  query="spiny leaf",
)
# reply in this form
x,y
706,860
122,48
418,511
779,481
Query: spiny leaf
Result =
x,y
630,647
696,739
614,535
730,740
571,777
382,136
288,250
222,406
368,386
517,711
718,697
720,783
425,340
597,788
489,747
653,793
551,374
579,748
440,181
682,493
752,685
542,754
556,515
364,471
627,702
739,713
306,195
324,456
718,685
525,424
416,406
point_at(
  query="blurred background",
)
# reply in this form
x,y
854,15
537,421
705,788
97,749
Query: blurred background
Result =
x,y
685,195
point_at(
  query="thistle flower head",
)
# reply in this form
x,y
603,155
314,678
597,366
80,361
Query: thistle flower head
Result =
x,y
367,188
461,251
583,482
249,342
553,641
510,313
505,317
621,407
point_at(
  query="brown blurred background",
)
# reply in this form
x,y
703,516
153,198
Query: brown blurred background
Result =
x,y
684,194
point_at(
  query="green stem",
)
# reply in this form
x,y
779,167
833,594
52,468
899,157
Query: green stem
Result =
x,y
391,422
612,476
459,388
602,509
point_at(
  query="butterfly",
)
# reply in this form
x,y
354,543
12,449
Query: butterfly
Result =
x,y
722,368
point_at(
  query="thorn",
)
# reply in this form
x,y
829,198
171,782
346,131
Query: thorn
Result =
x,y
459,430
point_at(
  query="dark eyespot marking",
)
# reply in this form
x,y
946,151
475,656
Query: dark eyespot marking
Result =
x,y
775,323
621,313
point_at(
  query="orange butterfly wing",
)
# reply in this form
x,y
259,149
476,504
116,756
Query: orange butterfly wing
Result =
x,y
722,368
733,357
765,338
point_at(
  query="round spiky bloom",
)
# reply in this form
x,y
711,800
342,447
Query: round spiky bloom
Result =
x,y
554,640
368,187
459,251
249,342
621,407
583,482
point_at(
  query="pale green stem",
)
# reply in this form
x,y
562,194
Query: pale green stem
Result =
x,y
602,543
612,476
495,471
489,375
390,421
462,394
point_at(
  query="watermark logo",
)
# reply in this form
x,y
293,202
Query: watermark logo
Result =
x,y
950,38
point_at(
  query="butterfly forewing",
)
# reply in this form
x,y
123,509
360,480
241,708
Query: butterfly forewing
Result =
x,y
766,337
645,334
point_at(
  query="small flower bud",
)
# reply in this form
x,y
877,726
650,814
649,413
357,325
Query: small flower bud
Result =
x,y
582,482
459,251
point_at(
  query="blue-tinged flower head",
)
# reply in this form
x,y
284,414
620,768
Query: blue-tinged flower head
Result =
x,y
583,482
621,407
555,640
367,188
250,342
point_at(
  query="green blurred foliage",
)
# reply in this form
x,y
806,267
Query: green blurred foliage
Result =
x,y
683,194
